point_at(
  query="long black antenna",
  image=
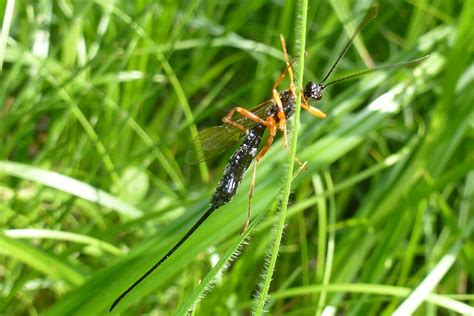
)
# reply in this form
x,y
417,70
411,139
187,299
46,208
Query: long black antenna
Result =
x,y
370,15
404,64
211,209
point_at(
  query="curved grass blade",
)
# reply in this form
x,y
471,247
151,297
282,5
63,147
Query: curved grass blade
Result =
x,y
68,185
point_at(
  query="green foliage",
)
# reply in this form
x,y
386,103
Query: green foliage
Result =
x,y
100,101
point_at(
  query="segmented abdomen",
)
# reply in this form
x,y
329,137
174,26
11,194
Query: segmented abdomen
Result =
x,y
238,165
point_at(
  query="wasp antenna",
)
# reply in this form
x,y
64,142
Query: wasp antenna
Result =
x,y
404,64
369,16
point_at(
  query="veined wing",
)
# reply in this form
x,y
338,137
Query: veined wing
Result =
x,y
216,140
212,142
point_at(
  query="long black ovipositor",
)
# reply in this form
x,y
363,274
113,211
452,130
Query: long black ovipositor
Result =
x,y
225,191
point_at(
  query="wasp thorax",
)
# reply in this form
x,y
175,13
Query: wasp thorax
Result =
x,y
313,91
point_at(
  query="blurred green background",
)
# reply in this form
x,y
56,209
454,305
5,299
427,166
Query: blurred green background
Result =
x,y
99,104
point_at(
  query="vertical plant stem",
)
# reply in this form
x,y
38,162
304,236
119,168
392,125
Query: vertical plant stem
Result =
x,y
302,12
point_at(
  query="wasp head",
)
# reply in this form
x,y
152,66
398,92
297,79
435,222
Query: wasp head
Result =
x,y
313,91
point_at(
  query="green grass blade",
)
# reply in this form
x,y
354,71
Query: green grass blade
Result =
x,y
68,185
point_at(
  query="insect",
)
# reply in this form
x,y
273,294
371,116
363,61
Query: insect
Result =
x,y
271,115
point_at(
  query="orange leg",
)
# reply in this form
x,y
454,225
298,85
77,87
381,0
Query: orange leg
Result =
x,y
276,95
288,67
314,111
272,126
244,112
303,167
301,164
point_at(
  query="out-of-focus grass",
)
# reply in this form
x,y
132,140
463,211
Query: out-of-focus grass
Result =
x,y
100,101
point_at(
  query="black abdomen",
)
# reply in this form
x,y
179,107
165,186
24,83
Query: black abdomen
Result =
x,y
238,165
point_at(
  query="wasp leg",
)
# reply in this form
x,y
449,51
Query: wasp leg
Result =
x,y
244,112
288,65
276,95
314,111
303,167
272,126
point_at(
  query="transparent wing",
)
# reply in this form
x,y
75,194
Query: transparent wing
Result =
x,y
218,139
213,141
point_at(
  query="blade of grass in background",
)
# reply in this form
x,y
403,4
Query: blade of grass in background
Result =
x,y
68,185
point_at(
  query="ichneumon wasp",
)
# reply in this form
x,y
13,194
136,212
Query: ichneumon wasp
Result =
x,y
250,127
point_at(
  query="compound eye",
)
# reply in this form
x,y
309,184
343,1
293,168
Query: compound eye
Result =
x,y
309,90
317,92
